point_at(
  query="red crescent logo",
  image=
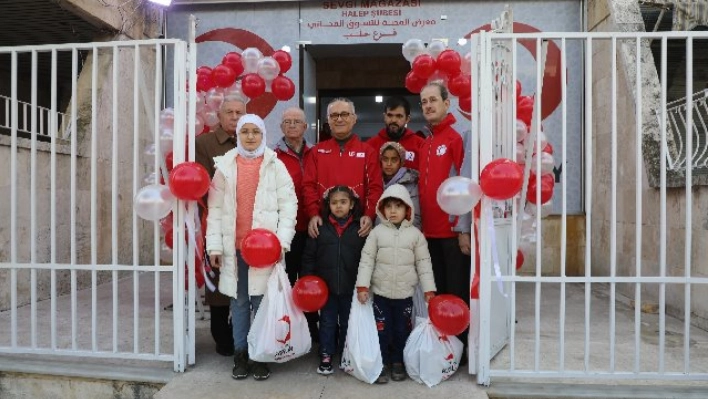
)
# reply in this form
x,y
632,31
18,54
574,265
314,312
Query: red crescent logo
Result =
x,y
552,75
243,39
285,319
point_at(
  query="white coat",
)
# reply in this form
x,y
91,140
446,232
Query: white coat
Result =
x,y
275,209
394,260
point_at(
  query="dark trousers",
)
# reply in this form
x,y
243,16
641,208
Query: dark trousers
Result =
x,y
334,320
221,329
451,269
393,321
293,264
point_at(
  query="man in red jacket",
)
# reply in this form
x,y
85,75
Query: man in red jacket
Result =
x,y
441,156
342,160
397,114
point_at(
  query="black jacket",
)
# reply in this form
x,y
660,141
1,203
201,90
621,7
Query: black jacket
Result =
x,y
335,259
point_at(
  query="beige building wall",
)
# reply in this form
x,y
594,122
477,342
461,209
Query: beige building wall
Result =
x,y
41,176
623,15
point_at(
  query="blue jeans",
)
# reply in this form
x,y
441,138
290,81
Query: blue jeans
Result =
x,y
393,321
241,306
335,311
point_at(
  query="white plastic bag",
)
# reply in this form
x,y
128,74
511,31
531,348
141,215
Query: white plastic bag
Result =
x,y
420,307
279,330
431,357
362,354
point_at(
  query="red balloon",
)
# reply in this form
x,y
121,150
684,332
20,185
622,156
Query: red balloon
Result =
x,y
260,248
283,88
223,76
168,237
524,109
501,179
283,59
310,293
474,291
465,103
519,259
189,181
233,61
449,314
461,85
449,62
205,82
169,161
547,183
253,85
424,65
203,70
414,83
518,90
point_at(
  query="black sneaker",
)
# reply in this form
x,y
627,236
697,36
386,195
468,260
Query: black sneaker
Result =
x,y
240,370
398,372
325,367
260,371
383,377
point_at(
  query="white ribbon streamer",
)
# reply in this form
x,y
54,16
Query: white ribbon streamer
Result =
x,y
495,255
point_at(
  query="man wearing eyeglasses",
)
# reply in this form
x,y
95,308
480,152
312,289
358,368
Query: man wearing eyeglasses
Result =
x,y
397,114
342,160
207,146
292,149
442,155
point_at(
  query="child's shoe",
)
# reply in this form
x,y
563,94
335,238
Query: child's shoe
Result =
x,y
325,367
383,377
398,372
260,371
240,369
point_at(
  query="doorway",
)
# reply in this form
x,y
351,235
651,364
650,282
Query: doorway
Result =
x,y
367,74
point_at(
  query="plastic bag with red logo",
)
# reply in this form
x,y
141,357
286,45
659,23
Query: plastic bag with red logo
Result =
x,y
362,353
279,330
430,356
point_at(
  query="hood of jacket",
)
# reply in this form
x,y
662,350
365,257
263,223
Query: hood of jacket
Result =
x,y
226,161
400,192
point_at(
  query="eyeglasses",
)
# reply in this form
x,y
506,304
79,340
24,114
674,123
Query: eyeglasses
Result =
x,y
431,100
254,133
293,122
344,115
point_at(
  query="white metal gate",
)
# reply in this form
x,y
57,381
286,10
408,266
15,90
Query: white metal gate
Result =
x,y
81,273
598,324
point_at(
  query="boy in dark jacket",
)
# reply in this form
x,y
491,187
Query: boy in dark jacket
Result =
x,y
334,256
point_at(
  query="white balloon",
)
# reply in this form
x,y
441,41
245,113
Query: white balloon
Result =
x,y
166,139
520,154
543,139
153,202
435,48
522,131
211,118
250,58
268,68
458,195
167,119
198,125
545,209
413,48
214,97
546,164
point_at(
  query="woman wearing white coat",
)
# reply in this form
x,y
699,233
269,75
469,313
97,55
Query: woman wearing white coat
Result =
x,y
251,189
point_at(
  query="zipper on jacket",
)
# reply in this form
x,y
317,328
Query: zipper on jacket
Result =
x,y
339,261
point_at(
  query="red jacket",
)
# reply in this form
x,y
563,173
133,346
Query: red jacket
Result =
x,y
356,166
410,141
440,157
296,168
